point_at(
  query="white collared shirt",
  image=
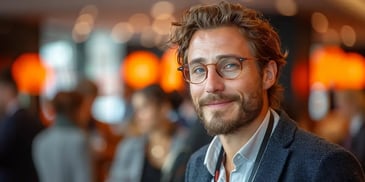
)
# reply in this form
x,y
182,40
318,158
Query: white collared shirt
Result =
x,y
244,159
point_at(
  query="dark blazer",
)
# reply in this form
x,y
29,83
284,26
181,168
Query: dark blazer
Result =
x,y
17,132
292,155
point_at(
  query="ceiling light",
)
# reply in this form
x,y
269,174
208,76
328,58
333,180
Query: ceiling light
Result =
x,y
139,22
286,7
162,9
319,22
348,35
122,32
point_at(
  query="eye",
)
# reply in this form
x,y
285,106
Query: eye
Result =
x,y
197,69
229,64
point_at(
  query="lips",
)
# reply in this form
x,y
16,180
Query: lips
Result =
x,y
217,102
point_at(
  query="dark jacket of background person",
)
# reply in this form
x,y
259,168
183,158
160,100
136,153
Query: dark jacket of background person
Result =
x,y
61,152
283,160
18,127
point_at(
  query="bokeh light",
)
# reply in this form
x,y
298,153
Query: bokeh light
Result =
x,y
171,79
336,69
140,68
29,73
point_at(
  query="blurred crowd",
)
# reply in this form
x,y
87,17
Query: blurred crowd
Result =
x,y
153,144
344,123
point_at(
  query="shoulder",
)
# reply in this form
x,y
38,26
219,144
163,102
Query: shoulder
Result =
x,y
134,140
199,155
315,147
313,156
288,135
42,137
195,168
131,143
305,143
332,162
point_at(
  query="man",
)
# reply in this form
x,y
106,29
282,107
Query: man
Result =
x,y
17,129
231,57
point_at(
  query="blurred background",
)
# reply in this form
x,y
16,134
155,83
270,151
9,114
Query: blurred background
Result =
x,y
57,42
120,45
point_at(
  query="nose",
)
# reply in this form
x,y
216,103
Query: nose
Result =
x,y
214,82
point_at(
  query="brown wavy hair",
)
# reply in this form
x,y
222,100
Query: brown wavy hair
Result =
x,y
263,40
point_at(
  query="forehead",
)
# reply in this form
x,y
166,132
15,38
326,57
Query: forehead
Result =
x,y
208,44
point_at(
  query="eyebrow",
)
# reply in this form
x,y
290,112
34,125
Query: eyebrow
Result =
x,y
197,60
203,60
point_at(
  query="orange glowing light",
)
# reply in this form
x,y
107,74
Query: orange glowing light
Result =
x,y
353,72
29,73
300,79
171,79
140,68
337,69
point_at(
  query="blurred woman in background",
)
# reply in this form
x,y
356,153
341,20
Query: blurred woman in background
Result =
x,y
150,156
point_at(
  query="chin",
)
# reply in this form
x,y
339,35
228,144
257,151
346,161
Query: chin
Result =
x,y
227,122
216,124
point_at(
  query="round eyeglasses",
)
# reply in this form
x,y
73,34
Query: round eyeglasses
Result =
x,y
227,67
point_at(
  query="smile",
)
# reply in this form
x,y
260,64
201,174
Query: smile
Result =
x,y
219,104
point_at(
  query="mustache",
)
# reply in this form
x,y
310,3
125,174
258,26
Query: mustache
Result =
x,y
217,97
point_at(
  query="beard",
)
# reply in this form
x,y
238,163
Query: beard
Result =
x,y
229,121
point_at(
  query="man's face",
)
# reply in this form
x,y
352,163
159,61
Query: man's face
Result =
x,y
225,105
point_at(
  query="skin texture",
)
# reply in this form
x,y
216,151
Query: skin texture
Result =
x,y
232,109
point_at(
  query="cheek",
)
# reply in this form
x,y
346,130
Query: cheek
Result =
x,y
195,92
245,88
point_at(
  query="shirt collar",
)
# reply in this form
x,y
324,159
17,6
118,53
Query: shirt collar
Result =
x,y
248,151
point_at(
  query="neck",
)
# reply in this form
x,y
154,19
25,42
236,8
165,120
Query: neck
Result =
x,y
234,141
156,134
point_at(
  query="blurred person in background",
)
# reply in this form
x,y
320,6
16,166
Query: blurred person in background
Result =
x,y
61,152
150,156
102,140
350,104
196,138
231,57
332,126
17,130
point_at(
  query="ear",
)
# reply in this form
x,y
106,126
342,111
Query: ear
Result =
x,y
269,74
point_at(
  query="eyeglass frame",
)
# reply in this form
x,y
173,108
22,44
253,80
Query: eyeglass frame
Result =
x,y
185,66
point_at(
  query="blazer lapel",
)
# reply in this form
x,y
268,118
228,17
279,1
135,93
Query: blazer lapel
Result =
x,y
277,151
